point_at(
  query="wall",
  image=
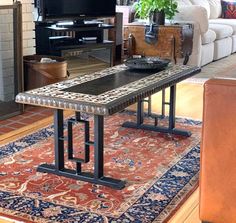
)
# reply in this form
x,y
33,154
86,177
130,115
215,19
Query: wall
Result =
x,y
6,45
6,55
28,27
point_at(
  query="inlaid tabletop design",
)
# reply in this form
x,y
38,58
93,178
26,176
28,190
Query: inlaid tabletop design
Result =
x,y
105,92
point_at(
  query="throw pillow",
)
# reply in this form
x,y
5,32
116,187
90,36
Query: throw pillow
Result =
x,y
228,9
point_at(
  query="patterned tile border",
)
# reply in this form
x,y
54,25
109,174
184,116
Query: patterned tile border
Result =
x,y
109,102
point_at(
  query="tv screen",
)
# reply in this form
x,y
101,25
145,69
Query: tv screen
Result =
x,y
76,9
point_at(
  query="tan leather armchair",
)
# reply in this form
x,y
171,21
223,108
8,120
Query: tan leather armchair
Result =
x,y
218,153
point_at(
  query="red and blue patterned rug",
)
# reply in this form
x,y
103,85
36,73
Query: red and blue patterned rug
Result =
x,y
161,170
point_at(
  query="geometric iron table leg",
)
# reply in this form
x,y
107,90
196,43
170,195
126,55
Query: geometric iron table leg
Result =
x,y
140,112
163,109
172,103
171,125
59,139
149,107
172,108
97,177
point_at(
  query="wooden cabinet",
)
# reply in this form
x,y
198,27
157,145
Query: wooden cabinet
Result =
x,y
169,41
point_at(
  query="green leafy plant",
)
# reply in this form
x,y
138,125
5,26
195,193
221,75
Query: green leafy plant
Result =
x,y
145,7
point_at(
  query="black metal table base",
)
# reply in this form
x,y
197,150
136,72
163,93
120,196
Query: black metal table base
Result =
x,y
84,176
171,125
97,177
157,128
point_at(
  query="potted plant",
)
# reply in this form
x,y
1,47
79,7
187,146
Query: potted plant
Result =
x,y
156,10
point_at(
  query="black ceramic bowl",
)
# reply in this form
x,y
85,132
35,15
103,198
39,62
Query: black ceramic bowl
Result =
x,y
147,63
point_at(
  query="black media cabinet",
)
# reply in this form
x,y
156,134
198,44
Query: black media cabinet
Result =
x,y
71,40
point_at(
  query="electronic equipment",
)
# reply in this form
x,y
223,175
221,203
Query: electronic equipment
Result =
x,y
76,10
57,41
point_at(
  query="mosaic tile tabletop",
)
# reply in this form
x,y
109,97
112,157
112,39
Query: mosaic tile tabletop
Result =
x,y
72,94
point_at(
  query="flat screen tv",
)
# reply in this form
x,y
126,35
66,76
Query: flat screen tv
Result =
x,y
75,9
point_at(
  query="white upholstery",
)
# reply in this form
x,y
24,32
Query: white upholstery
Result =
x,y
230,22
207,53
184,2
204,4
214,37
222,48
222,31
195,14
195,57
233,43
215,8
208,37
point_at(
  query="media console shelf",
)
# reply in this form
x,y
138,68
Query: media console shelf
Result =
x,y
51,36
90,39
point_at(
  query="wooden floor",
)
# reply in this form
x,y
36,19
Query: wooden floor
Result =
x,y
188,213
7,220
189,104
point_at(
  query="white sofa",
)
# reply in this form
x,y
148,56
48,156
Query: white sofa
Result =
x,y
214,37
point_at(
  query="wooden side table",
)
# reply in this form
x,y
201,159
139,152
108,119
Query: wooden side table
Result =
x,y
173,41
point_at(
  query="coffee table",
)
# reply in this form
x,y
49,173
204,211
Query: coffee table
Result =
x,y
101,94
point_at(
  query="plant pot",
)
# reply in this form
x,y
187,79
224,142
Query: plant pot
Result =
x,y
158,17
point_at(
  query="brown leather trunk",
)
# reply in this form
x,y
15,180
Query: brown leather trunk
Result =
x,y
174,41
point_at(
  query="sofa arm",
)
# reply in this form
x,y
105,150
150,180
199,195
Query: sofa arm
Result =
x,y
196,14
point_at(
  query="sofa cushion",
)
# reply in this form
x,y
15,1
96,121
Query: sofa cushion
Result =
x,y
215,8
229,22
233,43
207,53
184,2
222,48
193,14
222,31
204,4
208,37
228,9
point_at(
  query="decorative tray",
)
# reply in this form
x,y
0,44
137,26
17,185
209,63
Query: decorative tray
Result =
x,y
147,63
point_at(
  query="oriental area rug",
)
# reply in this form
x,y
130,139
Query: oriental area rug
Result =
x,y
160,170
